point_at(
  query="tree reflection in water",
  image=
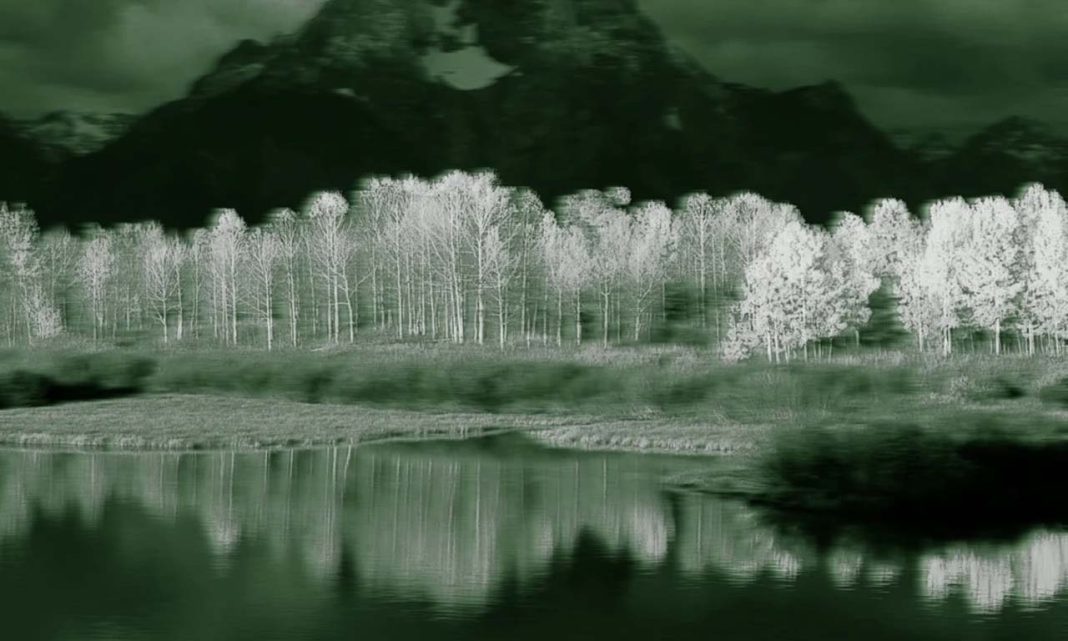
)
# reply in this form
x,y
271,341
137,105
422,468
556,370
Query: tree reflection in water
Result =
x,y
456,525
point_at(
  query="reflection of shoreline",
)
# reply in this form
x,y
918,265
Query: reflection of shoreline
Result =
x,y
451,526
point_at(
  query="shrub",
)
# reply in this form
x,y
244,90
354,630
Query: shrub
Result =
x,y
967,468
1056,393
22,388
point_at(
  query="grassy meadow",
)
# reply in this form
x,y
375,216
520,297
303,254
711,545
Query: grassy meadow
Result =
x,y
675,387
866,434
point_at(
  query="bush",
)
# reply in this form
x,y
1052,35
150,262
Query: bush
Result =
x,y
22,388
57,378
828,386
883,469
998,387
1055,394
117,372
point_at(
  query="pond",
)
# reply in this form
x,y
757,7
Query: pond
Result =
x,y
486,539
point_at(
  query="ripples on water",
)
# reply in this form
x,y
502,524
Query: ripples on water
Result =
x,y
455,539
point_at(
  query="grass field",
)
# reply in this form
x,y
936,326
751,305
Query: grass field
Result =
x,y
189,422
867,435
645,395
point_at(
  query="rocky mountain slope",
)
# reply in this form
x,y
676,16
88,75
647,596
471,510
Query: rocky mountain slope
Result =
x,y
62,134
558,95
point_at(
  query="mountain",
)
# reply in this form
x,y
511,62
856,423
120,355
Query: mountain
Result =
x,y
62,134
1003,156
558,95
24,167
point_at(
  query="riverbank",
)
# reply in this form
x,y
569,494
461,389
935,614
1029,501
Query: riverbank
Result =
x,y
865,436
663,400
932,469
677,388
204,421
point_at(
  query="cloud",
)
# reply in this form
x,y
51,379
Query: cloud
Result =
x,y
123,55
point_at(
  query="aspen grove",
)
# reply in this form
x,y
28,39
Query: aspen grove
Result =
x,y
464,259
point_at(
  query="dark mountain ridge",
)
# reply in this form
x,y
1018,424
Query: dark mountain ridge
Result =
x,y
575,94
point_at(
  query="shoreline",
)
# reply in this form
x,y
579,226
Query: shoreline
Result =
x,y
832,470
200,422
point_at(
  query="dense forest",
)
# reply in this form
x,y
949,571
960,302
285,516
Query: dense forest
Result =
x,y
464,259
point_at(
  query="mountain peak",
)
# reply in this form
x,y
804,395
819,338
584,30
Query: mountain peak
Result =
x,y
71,133
828,95
1020,137
555,95
462,44
1018,127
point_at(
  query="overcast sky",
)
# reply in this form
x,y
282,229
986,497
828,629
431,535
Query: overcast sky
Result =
x,y
909,62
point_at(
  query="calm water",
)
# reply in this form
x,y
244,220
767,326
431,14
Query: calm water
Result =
x,y
496,539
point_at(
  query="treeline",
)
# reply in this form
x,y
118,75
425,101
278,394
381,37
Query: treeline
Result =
x,y
464,259
987,265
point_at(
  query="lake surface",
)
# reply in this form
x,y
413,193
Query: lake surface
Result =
x,y
488,539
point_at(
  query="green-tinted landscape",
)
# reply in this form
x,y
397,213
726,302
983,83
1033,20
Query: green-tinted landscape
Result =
x,y
863,436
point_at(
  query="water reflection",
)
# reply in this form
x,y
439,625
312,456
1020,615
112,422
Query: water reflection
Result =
x,y
453,525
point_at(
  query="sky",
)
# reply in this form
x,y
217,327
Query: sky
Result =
x,y
910,63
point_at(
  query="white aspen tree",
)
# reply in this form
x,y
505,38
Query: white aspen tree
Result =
x,y
58,256
748,223
94,270
575,262
179,257
481,205
198,253
526,217
424,260
127,281
326,213
838,298
918,304
310,284
32,307
18,229
1043,240
445,217
653,238
227,244
852,242
989,260
818,290
499,267
610,244
263,250
554,247
413,223
388,205
606,230
793,293
161,260
701,236
353,274
939,268
759,316
897,258
373,200
43,316
287,229
752,222
893,237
